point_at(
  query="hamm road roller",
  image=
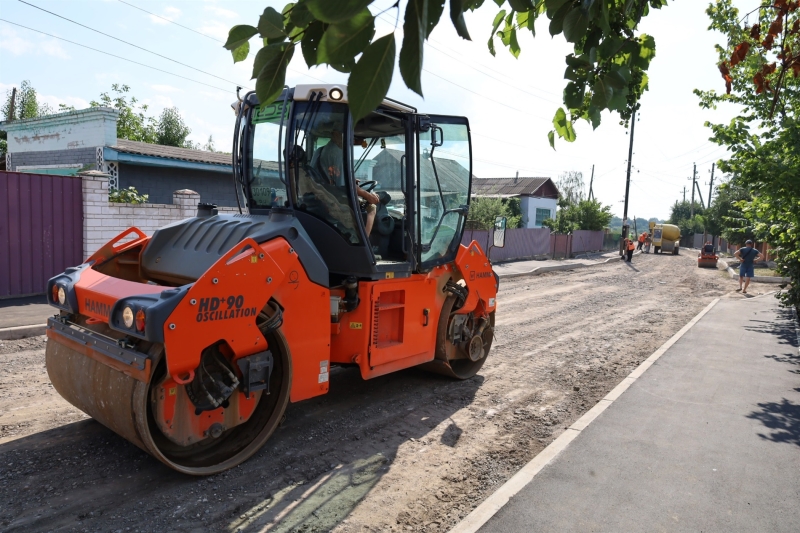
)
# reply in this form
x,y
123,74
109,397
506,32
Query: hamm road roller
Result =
x,y
346,251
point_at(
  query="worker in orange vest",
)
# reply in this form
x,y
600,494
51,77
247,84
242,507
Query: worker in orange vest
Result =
x,y
629,248
642,237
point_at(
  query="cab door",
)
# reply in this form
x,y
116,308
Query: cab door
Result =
x,y
444,171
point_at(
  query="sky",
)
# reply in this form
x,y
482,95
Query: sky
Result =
x,y
509,101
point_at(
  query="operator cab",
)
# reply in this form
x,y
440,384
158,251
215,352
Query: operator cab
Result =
x,y
382,197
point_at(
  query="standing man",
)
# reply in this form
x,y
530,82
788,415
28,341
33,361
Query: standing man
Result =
x,y
641,240
747,255
629,248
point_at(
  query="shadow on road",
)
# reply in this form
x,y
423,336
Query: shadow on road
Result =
x,y
329,454
782,418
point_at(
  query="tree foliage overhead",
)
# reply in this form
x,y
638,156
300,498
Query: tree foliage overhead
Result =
x,y
605,71
764,137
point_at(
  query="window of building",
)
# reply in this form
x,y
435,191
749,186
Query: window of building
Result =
x,y
541,216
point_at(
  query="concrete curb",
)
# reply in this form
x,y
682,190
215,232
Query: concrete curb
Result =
x,y
541,270
486,510
21,332
759,279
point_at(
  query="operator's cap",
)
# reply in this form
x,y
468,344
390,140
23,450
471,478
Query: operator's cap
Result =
x,y
748,241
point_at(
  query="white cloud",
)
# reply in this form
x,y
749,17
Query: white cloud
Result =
x,y
170,13
162,101
215,29
221,12
54,101
11,41
51,47
166,89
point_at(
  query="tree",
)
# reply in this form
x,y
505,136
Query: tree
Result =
x,y
607,69
171,130
570,186
760,65
484,211
21,104
132,123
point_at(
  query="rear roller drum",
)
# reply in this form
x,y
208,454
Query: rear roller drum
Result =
x,y
130,408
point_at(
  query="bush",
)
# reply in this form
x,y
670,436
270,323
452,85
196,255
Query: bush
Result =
x,y
127,196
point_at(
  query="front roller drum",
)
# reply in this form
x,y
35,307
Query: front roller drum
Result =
x,y
123,404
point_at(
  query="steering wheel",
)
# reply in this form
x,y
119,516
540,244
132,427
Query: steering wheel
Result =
x,y
368,185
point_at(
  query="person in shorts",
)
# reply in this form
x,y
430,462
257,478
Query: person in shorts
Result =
x,y
747,255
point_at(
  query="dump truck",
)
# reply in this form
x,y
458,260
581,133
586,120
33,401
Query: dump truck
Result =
x,y
666,238
346,251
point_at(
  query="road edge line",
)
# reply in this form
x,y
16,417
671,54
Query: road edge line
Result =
x,y
22,332
500,497
557,268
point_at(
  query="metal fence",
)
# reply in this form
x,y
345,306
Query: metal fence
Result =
x,y
528,243
41,230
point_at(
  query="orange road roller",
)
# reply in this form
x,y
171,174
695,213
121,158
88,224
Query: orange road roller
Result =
x,y
345,250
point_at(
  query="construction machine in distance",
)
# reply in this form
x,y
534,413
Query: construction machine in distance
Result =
x,y
666,238
191,343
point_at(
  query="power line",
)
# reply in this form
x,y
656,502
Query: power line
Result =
x,y
116,56
172,21
131,44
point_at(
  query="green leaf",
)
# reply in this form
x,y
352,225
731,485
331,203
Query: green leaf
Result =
x,y
414,33
345,67
370,79
241,53
554,5
601,94
344,41
615,80
557,21
573,95
300,15
594,116
239,35
333,11
270,25
272,77
575,25
552,138
513,44
647,51
498,19
264,56
563,125
619,100
520,5
435,10
310,43
457,16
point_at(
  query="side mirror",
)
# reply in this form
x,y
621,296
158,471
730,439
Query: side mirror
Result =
x,y
500,232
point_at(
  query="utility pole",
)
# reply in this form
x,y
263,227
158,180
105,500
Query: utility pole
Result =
x,y
11,109
684,194
591,181
711,184
694,183
702,203
627,186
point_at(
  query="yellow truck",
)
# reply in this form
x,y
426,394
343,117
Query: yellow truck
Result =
x,y
666,238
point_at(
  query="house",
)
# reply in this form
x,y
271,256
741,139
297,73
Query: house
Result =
x,y
538,196
66,143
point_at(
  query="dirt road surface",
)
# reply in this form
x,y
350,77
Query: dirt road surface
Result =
x,y
409,451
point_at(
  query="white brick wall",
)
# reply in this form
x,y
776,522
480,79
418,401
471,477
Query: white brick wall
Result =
x,y
104,220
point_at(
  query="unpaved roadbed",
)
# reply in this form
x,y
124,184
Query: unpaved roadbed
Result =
x,y
409,451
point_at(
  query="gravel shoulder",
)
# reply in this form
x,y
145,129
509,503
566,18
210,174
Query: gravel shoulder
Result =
x,y
409,451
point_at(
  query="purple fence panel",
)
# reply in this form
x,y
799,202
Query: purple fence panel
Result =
x,y
587,241
521,243
41,230
560,246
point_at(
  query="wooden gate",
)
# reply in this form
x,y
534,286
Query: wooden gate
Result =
x,y
41,230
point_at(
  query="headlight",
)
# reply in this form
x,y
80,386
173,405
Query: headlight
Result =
x,y
62,295
127,317
335,94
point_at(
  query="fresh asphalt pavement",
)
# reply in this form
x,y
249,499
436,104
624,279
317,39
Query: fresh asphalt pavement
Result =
x,y
27,311
707,439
